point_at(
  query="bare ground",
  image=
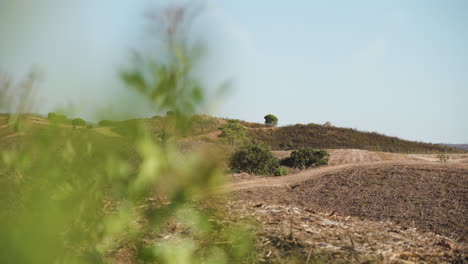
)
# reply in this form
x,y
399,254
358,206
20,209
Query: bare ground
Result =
x,y
369,197
429,197
291,234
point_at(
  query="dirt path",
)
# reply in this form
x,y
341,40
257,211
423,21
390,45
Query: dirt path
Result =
x,y
303,175
343,159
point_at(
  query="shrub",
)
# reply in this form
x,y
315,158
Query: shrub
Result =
x,y
443,158
78,122
305,158
281,171
255,159
234,133
271,120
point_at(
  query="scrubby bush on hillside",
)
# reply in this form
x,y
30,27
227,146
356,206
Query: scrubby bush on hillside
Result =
x,y
255,159
271,120
78,122
306,157
234,133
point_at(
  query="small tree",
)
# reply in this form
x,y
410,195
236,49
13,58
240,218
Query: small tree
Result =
x,y
271,120
256,159
234,133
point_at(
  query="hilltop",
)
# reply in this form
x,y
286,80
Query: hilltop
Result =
x,y
328,137
206,128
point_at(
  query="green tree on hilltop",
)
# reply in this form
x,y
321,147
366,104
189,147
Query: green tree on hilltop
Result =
x,y
271,120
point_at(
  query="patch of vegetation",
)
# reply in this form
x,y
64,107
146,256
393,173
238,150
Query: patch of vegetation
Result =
x,y
234,133
255,159
281,171
443,158
305,158
323,137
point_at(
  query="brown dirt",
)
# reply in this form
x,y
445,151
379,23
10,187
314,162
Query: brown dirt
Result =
x,y
395,208
428,196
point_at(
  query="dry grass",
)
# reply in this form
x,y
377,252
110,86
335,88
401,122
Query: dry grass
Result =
x,y
296,235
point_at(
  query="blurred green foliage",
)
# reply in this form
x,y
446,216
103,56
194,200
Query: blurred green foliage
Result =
x,y
77,196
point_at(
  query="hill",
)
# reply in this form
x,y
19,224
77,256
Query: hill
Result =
x,y
326,137
206,128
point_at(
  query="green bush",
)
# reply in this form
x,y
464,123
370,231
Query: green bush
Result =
x,y
271,120
78,122
255,159
281,171
306,157
234,133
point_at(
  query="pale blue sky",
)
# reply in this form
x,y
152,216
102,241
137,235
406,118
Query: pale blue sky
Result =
x,y
395,67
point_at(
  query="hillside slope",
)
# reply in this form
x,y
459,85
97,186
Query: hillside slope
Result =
x,y
206,128
325,137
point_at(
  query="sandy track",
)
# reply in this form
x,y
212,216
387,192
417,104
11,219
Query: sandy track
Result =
x,y
344,159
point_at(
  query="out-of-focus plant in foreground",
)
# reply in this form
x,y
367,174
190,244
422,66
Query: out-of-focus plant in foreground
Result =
x,y
77,196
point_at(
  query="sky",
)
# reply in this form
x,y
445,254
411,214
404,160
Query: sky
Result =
x,y
395,67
